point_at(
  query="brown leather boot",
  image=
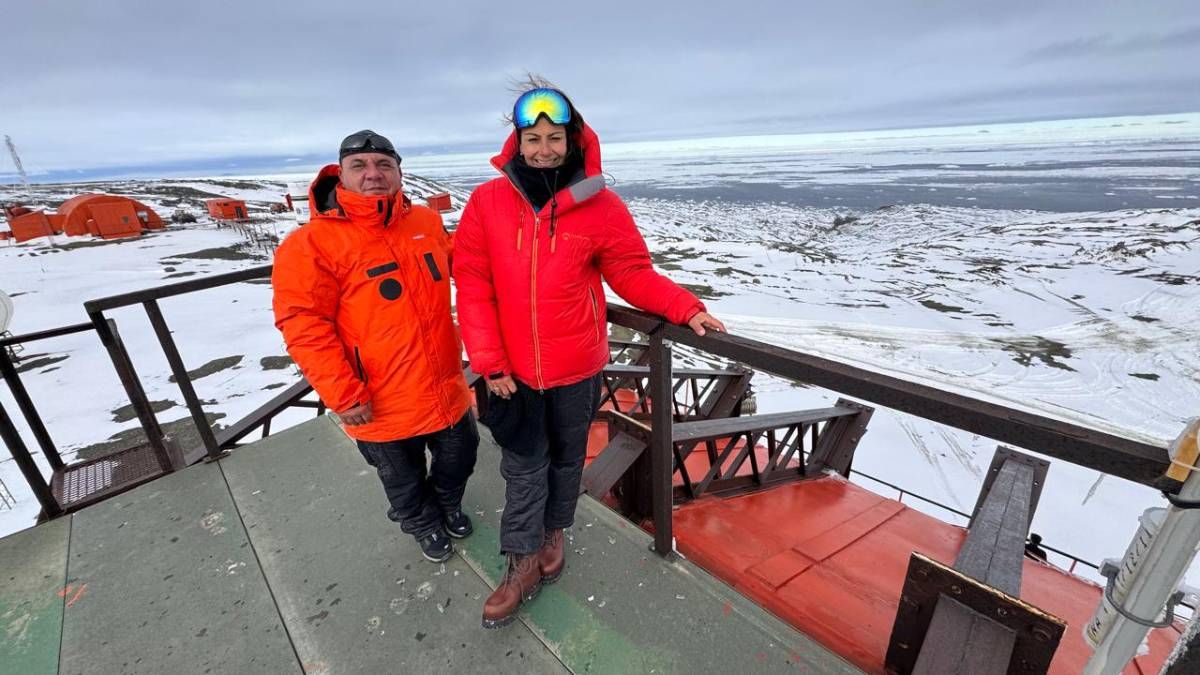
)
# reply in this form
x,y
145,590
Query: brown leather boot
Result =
x,y
550,557
521,582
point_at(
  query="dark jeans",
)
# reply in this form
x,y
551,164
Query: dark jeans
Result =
x,y
541,482
419,499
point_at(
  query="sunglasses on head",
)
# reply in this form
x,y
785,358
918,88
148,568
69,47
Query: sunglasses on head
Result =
x,y
536,103
365,141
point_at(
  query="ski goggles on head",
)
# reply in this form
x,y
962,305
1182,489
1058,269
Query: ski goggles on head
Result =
x,y
366,141
538,102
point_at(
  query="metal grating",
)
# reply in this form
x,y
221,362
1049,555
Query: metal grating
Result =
x,y
79,485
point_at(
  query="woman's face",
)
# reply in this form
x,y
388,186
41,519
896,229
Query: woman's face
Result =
x,y
544,145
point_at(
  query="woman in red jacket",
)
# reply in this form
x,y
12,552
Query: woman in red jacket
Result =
x,y
530,252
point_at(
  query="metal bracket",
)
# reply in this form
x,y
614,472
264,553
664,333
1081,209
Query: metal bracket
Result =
x,y
1180,503
1110,572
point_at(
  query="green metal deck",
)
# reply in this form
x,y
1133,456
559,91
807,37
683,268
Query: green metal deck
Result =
x,y
279,559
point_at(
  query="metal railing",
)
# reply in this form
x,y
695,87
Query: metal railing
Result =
x,y
148,299
648,366
1104,452
79,484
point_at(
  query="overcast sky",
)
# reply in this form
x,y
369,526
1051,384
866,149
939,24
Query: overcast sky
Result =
x,y
143,82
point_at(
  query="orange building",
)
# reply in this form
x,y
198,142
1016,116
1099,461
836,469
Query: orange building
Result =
x,y
439,202
227,209
30,225
75,213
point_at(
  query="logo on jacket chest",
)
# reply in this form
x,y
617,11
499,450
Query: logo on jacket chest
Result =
x,y
389,288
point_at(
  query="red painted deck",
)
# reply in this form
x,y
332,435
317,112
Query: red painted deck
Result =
x,y
829,557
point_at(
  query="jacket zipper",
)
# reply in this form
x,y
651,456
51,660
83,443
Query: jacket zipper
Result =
x,y
362,372
595,313
537,347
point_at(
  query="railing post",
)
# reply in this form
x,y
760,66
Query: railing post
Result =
x,y
33,475
25,403
203,428
661,442
107,330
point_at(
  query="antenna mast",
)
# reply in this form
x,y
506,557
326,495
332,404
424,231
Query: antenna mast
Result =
x,y
12,150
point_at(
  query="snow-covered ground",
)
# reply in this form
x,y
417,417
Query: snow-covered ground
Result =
x,y
1086,317
229,329
1080,313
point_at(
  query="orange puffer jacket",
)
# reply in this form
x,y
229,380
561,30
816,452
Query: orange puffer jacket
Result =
x,y
530,301
362,297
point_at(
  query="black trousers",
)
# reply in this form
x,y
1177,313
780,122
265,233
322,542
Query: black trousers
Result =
x,y
541,478
418,498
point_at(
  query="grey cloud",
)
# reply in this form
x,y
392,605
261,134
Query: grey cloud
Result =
x,y
134,82
1109,45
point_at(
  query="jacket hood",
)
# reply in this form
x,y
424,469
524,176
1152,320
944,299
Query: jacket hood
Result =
x,y
328,198
592,182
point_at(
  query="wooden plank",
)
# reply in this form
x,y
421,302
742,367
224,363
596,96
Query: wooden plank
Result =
x,y
1040,468
1037,632
837,538
995,544
724,402
730,426
632,370
613,461
961,639
839,439
960,642
662,444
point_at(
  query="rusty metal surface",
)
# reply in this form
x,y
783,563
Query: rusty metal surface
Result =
x,y
85,483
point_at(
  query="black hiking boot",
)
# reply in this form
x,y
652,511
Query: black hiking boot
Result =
x,y
458,525
436,547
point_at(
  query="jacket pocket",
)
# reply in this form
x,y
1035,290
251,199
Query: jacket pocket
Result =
x,y
595,313
362,372
433,266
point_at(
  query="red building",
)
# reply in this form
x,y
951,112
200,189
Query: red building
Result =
x,y
227,209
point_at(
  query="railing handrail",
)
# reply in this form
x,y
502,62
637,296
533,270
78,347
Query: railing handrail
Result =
x,y
178,288
1115,455
46,334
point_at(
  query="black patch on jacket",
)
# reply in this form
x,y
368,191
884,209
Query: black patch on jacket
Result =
x,y
382,269
390,289
433,268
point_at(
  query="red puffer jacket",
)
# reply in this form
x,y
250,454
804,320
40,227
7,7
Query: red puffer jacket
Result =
x,y
530,302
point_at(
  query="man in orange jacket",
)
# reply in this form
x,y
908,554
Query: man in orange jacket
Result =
x,y
362,297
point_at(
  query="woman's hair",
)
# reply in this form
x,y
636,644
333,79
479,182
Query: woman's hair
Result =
x,y
519,86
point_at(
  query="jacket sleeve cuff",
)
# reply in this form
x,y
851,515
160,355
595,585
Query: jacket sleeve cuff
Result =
x,y
692,311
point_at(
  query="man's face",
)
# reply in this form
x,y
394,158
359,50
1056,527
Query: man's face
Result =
x,y
371,173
